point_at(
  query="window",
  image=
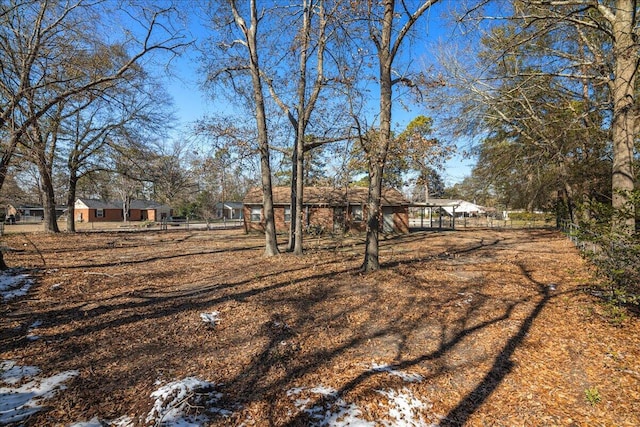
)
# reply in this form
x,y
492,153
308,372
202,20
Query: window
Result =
x,y
99,213
255,214
287,214
356,213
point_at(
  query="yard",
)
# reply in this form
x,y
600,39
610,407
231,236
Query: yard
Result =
x,y
471,327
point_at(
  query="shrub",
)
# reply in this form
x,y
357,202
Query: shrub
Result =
x,y
531,216
617,255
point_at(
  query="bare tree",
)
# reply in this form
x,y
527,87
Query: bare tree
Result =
x,y
312,37
590,47
240,60
388,25
95,123
52,52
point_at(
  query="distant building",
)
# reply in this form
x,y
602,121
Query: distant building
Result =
x,y
329,209
458,208
91,210
30,213
229,210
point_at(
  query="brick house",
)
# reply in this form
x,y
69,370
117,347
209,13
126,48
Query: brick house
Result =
x,y
91,210
328,209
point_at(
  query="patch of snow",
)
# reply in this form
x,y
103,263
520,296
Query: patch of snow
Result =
x,y
404,409
14,284
182,403
468,299
11,373
410,378
325,391
211,318
93,422
124,421
173,400
335,412
31,336
295,390
19,403
96,422
329,409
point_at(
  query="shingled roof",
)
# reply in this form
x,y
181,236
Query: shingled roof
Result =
x,y
327,196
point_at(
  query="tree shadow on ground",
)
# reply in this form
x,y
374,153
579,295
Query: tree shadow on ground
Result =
x,y
251,384
280,358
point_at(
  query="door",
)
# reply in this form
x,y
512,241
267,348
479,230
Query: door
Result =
x,y
387,219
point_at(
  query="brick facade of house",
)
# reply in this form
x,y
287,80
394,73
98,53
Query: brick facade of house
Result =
x,y
328,210
88,210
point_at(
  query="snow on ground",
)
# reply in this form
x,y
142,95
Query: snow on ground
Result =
x,y
183,403
187,402
334,411
403,408
212,319
14,283
31,335
173,401
22,391
18,402
410,378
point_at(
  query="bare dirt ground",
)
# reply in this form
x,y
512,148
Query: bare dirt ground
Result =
x,y
476,327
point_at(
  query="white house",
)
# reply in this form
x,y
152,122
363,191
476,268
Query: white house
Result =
x,y
459,208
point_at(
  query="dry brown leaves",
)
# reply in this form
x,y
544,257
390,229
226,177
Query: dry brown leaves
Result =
x,y
496,323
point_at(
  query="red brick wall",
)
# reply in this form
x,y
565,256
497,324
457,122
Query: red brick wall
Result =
x,y
323,217
89,215
252,225
319,217
111,215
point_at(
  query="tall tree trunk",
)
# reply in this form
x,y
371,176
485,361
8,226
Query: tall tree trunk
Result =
x,y
250,33
298,234
372,246
49,199
71,202
293,198
387,49
378,154
624,114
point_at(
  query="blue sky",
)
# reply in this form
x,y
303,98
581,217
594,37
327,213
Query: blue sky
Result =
x,y
191,103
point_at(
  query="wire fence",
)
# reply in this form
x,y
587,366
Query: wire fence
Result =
x,y
617,258
584,240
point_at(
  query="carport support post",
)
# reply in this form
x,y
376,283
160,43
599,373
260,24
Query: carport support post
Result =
x,y
453,218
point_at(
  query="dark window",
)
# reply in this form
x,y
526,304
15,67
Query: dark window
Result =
x,y
255,214
356,213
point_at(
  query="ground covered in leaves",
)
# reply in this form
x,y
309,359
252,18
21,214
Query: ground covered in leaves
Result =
x,y
476,327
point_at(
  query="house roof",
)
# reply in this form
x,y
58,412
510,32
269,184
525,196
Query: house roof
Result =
x,y
460,206
327,196
134,204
